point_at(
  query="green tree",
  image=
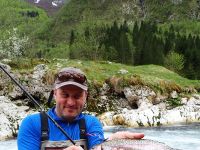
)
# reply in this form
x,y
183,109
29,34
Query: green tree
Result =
x,y
72,37
174,61
13,46
88,47
135,34
123,45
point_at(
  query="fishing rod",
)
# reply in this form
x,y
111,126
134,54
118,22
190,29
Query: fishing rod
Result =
x,y
36,103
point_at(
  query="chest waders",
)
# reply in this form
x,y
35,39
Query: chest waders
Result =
x,y
60,145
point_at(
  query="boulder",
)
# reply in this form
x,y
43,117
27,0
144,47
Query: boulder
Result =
x,y
11,116
157,115
139,95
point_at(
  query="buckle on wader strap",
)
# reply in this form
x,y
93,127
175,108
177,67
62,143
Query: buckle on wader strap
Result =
x,y
82,128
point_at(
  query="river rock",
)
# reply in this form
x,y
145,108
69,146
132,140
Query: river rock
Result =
x,y
39,72
6,67
139,95
156,116
107,118
174,94
11,116
123,71
192,101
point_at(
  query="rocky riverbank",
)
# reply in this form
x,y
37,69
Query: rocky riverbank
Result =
x,y
155,115
132,105
11,116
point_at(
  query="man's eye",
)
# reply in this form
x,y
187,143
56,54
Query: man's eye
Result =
x,y
77,96
65,95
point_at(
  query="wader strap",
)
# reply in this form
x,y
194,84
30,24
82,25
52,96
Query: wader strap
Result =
x,y
44,126
45,129
82,128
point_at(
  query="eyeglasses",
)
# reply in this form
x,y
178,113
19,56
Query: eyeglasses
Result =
x,y
67,76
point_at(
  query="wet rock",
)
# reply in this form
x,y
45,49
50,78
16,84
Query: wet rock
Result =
x,y
107,118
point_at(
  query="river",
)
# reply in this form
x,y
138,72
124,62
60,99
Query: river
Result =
x,y
184,137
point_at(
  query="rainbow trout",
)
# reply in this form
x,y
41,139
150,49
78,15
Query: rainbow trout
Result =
x,y
128,144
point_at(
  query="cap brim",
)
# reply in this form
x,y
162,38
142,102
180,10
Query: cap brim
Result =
x,y
70,83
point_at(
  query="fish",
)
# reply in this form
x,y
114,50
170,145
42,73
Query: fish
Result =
x,y
133,144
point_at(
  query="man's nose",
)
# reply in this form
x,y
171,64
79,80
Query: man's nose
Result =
x,y
70,101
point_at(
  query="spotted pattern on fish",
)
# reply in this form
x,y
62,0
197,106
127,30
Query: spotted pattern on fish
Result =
x,y
133,144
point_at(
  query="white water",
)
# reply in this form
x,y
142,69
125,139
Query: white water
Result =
x,y
184,137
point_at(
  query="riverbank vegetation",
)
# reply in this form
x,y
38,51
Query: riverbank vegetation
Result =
x,y
99,72
109,78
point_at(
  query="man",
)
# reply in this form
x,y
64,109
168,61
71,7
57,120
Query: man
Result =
x,y
70,94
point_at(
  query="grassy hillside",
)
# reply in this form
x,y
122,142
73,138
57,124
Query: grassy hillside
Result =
x,y
154,76
21,15
19,21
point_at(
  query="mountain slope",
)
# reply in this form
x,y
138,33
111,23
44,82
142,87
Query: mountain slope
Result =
x,y
50,6
19,21
79,14
21,15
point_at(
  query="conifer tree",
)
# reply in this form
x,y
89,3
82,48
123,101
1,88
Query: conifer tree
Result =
x,y
124,48
72,37
135,33
114,35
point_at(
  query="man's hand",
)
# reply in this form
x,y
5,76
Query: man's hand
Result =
x,y
74,147
126,135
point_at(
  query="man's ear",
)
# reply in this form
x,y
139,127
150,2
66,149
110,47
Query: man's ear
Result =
x,y
87,95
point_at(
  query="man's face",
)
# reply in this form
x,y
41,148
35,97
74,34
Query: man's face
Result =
x,y
70,101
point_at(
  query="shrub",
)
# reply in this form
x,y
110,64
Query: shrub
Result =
x,y
13,46
174,61
173,102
